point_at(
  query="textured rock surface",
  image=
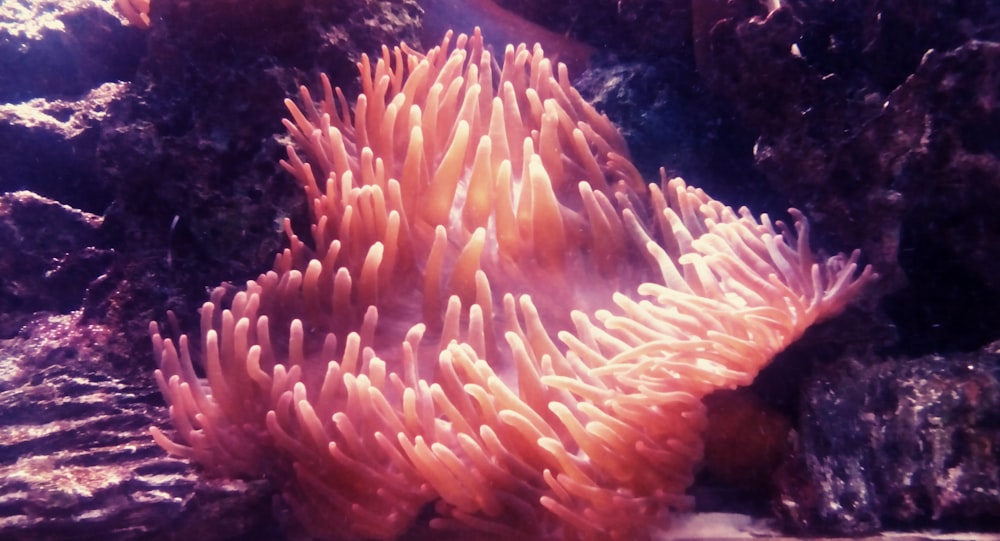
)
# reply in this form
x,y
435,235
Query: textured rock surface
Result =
x,y
76,459
51,254
888,147
900,443
189,134
942,133
881,119
51,144
191,150
59,48
61,63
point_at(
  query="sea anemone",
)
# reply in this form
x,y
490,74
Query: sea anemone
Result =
x,y
494,324
136,11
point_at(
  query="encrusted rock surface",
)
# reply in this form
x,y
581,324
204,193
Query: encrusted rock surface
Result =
x,y
60,48
899,443
188,132
51,254
880,119
61,66
76,459
51,144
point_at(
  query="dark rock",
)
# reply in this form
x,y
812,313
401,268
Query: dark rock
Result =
x,y
907,443
879,119
884,146
191,151
51,254
659,107
941,148
809,124
63,49
61,66
184,152
51,144
637,29
76,458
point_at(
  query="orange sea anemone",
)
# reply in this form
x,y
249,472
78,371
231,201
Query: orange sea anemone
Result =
x,y
136,11
494,322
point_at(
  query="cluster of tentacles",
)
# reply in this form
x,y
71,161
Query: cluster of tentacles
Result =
x,y
493,317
